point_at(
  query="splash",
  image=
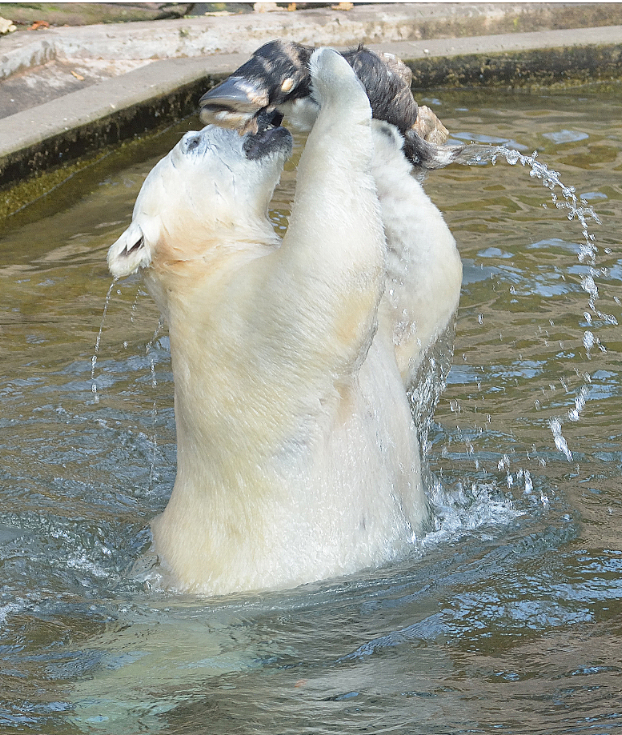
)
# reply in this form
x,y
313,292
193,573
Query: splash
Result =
x,y
467,508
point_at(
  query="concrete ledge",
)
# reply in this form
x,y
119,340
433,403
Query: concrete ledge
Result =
x,y
373,23
516,60
509,42
84,121
202,36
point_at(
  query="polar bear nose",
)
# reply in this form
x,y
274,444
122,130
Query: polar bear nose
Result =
x,y
192,143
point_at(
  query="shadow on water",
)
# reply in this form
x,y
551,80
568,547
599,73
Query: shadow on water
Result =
x,y
507,616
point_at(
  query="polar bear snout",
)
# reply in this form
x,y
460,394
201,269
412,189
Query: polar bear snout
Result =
x,y
195,143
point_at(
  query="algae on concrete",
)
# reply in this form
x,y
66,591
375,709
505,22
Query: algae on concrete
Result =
x,y
529,69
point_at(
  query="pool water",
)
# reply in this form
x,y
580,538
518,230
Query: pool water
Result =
x,y
506,618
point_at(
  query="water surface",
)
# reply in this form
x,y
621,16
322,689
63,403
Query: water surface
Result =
x,y
507,618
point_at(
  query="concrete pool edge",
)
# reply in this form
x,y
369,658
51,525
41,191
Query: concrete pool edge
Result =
x,y
80,123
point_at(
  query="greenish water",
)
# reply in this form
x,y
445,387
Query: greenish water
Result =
x,y
507,618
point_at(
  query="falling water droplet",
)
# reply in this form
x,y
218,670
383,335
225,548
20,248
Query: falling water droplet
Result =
x,y
134,306
589,286
561,444
588,341
577,209
579,404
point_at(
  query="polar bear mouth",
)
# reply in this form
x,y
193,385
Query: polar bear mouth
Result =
x,y
270,137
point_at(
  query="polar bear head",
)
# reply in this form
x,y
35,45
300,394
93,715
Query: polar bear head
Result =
x,y
211,190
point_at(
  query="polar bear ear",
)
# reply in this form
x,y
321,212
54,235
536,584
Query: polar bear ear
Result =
x,y
129,253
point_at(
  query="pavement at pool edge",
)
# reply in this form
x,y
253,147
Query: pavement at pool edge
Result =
x,y
131,77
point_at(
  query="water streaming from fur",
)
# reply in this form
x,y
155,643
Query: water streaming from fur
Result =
x,y
154,408
98,341
139,292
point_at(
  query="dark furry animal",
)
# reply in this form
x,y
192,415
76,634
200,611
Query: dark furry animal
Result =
x,y
277,76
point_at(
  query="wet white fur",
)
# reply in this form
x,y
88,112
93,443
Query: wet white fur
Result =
x,y
297,455
424,270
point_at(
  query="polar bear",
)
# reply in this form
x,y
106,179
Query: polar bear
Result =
x,y
297,455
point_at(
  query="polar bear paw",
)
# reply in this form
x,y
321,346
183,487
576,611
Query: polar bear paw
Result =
x,y
334,82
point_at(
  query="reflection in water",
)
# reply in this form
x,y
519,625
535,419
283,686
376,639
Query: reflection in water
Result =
x,y
507,615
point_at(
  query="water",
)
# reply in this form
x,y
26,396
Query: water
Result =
x,y
577,209
508,615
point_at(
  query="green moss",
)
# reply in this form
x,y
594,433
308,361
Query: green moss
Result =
x,y
25,192
559,68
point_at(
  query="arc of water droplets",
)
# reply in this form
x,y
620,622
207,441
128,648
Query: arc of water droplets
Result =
x,y
576,209
98,341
